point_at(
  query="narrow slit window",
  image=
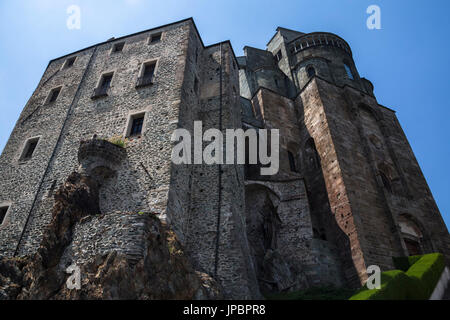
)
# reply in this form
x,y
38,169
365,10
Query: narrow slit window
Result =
x,y
136,125
349,71
278,56
196,85
54,95
3,212
292,165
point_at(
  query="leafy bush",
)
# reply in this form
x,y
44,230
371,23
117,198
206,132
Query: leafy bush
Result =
x,y
417,283
426,273
118,141
404,263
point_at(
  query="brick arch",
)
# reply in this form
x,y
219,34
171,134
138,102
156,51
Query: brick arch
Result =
x,y
413,230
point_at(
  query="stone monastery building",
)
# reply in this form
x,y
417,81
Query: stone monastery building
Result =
x,y
349,192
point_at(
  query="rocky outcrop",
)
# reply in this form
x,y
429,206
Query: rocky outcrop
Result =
x,y
163,271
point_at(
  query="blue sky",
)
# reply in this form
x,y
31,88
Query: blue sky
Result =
x,y
408,60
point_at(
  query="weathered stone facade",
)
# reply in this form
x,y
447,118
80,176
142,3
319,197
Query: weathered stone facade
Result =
x,y
349,192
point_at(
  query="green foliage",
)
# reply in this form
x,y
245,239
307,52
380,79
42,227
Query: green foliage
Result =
x,y
401,263
404,263
417,283
426,273
118,141
317,293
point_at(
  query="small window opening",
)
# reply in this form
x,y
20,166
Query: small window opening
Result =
x,y
136,125
118,47
349,72
70,62
292,162
54,95
3,211
311,72
155,38
29,149
386,181
196,85
105,84
147,74
278,56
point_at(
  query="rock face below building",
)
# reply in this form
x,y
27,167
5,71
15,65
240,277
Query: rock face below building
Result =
x,y
162,272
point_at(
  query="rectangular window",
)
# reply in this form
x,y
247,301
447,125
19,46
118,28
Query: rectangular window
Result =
x,y
104,85
54,95
30,147
136,126
118,47
69,62
147,74
155,38
3,211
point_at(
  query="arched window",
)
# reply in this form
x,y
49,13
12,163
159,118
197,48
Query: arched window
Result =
x,y
311,71
349,71
292,162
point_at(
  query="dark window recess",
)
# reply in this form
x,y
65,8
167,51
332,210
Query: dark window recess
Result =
x,y
136,126
105,84
31,146
54,95
155,38
70,62
413,247
292,162
278,56
386,181
3,211
147,75
311,72
196,85
118,47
